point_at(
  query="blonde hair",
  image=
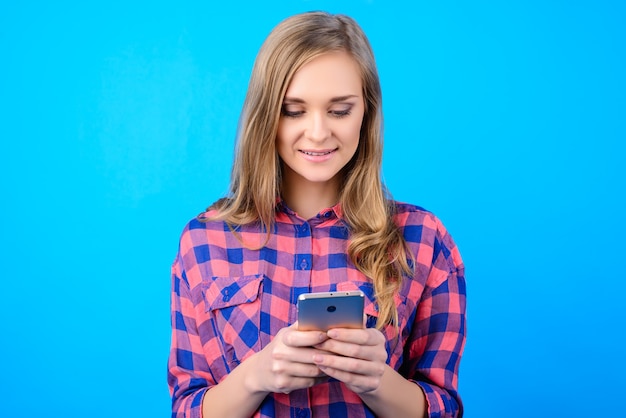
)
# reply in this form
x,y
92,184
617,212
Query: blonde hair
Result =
x,y
376,246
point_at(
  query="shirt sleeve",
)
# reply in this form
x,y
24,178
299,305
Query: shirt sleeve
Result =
x,y
440,329
187,378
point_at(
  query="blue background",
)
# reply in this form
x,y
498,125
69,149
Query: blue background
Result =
x,y
117,121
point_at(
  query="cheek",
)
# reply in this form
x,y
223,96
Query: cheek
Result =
x,y
352,133
285,133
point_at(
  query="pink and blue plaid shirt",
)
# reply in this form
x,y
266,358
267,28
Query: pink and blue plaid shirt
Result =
x,y
228,301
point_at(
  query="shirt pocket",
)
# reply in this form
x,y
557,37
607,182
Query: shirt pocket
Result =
x,y
234,304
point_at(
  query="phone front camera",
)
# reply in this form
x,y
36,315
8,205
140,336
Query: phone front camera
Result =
x,y
331,308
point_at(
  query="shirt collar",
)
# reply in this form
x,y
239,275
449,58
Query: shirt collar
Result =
x,y
333,212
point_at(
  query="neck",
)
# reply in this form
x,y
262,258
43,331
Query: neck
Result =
x,y
308,199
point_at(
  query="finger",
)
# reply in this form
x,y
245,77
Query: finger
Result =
x,y
294,338
335,366
286,384
295,354
358,383
356,351
343,349
294,369
366,336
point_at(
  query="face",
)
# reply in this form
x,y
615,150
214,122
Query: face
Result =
x,y
321,119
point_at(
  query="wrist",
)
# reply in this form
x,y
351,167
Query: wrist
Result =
x,y
250,376
377,393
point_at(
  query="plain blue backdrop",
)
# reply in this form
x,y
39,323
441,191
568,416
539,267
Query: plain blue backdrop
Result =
x,y
117,125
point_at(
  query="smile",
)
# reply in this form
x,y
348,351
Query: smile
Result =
x,y
317,153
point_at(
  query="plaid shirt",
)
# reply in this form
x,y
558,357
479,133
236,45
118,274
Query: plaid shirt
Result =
x,y
229,301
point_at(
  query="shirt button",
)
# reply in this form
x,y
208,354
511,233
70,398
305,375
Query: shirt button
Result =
x,y
304,264
302,413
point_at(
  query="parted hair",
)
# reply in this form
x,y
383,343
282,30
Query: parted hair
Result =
x,y
376,246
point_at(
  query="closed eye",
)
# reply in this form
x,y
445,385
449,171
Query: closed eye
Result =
x,y
291,113
341,113
336,113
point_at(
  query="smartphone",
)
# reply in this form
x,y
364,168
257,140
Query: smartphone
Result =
x,y
322,311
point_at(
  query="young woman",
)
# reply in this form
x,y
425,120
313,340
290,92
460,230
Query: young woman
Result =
x,y
307,212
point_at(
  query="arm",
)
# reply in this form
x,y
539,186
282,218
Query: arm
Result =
x,y
437,338
235,396
282,366
437,343
390,398
188,374
195,392
429,374
359,360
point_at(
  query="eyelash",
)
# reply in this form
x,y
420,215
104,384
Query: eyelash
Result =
x,y
335,113
292,114
341,113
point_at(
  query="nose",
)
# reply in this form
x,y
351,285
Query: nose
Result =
x,y
318,129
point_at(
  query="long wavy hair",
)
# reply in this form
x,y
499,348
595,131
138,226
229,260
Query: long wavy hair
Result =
x,y
376,245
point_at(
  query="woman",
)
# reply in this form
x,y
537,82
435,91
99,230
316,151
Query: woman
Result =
x,y
307,212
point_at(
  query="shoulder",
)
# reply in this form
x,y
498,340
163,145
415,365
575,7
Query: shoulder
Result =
x,y
206,220
199,230
208,232
426,234
202,247
412,218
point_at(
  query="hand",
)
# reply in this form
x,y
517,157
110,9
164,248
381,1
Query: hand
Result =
x,y
286,364
356,357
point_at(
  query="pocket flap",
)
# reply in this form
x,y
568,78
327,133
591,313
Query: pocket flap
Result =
x,y
223,292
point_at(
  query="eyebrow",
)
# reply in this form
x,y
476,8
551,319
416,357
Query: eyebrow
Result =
x,y
337,99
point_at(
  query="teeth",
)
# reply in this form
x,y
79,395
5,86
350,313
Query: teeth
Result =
x,y
316,154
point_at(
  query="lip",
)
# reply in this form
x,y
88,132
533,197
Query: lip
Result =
x,y
317,155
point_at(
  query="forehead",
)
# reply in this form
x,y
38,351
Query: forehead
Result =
x,y
328,75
